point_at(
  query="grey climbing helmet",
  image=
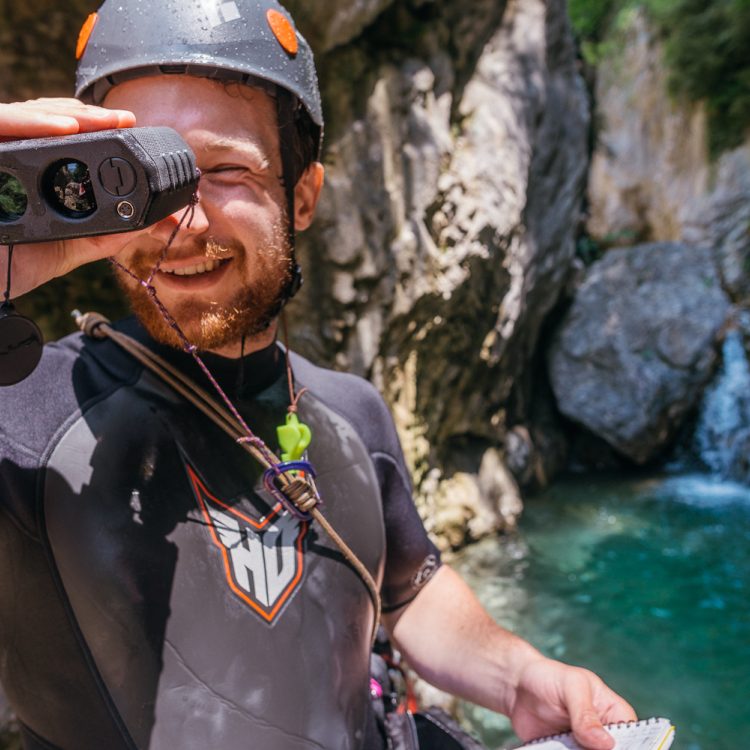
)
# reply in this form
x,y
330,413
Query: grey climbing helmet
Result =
x,y
250,41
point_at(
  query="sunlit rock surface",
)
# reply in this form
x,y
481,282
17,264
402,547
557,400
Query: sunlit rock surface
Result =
x,y
651,175
651,162
638,344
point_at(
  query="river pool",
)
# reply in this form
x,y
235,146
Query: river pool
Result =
x,y
647,582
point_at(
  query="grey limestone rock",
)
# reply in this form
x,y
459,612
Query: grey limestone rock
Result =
x,y
722,221
637,346
445,237
651,175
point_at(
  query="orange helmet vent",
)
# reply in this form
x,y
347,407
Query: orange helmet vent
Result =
x,y
85,33
283,30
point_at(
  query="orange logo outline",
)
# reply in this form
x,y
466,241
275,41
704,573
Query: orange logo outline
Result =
x,y
201,492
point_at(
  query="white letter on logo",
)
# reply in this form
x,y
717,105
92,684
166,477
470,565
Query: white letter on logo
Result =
x,y
246,560
278,551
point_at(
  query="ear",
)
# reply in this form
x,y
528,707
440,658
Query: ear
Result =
x,y
306,194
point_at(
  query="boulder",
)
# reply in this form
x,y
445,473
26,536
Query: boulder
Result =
x,y
634,351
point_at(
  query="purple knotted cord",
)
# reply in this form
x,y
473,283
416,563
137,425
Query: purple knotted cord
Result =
x,y
189,348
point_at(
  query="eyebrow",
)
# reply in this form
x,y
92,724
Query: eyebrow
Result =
x,y
245,146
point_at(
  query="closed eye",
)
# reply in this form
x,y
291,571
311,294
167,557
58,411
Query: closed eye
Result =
x,y
232,173
220,170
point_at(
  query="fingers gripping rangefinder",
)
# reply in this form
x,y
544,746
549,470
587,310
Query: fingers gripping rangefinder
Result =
x,y
95,183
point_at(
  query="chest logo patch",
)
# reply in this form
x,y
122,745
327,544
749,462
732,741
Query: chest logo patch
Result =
x,y
263,560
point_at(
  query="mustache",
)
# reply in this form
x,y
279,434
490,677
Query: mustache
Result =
x,y
144,260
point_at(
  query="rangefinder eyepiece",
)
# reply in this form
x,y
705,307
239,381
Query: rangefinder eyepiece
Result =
x,y
94,183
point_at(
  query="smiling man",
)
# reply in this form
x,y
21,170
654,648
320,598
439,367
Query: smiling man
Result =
x,y
229,273
153,592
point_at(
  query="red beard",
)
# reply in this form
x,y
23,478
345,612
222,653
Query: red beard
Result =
x,y
212,325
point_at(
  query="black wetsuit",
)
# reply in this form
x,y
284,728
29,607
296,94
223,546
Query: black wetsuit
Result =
x,y
150,597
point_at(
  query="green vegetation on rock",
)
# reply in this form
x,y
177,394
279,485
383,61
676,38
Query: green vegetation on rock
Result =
x,y
707,51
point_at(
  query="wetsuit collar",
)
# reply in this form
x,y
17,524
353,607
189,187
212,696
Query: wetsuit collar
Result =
x,y
244,376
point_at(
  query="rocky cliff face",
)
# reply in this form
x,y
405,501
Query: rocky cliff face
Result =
x,y
651,178
651,163
651,175
456,155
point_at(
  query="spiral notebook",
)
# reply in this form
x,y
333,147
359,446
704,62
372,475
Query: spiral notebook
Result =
x,y
650,734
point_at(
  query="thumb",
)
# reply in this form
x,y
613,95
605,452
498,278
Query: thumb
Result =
x,y
589,731
584,719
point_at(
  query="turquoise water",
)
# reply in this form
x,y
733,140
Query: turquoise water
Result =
x,y
647,582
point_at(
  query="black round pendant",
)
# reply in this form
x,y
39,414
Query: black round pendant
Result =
x,y
21,345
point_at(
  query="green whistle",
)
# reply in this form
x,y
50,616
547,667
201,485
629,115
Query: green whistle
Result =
x,y
294,437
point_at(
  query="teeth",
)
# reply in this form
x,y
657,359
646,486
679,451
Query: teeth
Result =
x,y
209,265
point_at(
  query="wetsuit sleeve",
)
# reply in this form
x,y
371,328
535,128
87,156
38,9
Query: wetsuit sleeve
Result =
x,y
411,558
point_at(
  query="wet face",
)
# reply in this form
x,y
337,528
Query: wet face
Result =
x,y
224,275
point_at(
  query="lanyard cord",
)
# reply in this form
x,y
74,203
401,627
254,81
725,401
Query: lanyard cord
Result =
x,y
6,295
189,348
293,397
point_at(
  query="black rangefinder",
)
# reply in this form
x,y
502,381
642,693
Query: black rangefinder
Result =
x,y
94,183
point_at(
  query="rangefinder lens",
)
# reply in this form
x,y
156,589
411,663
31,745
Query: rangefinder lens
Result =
x,y
13,198
68,187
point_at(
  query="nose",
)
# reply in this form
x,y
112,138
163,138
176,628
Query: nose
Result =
x,y
193,217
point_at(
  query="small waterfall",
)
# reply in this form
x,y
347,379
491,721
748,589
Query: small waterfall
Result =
x,y
722,436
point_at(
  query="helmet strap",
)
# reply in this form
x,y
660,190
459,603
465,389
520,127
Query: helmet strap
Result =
x,y
286,108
